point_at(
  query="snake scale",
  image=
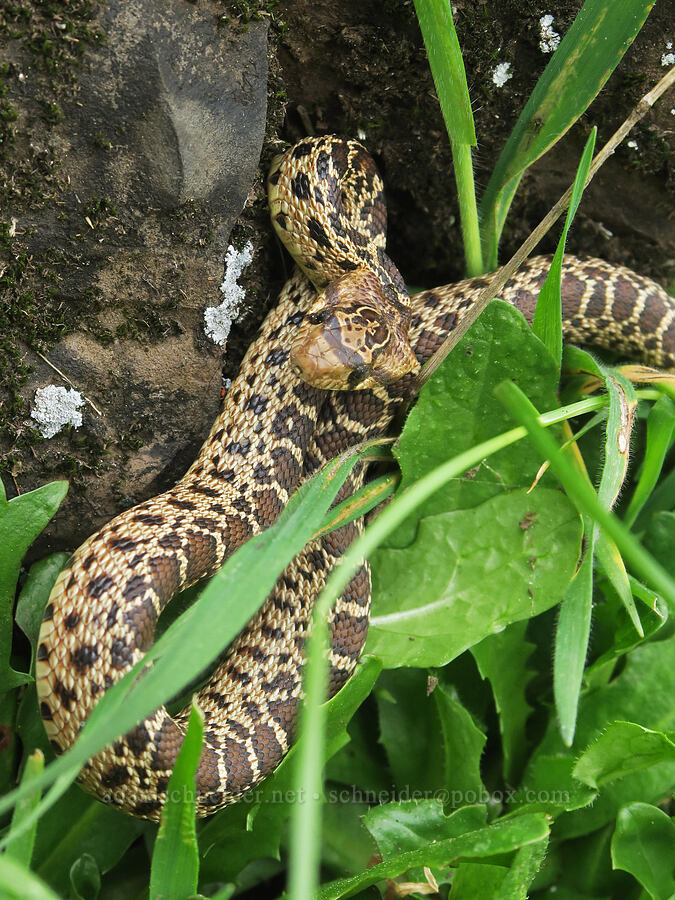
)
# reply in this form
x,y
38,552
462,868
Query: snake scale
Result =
x,y
274,431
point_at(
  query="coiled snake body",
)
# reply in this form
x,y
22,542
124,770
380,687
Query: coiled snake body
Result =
x,y
274,431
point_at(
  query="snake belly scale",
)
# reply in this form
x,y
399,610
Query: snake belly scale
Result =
x,y
274,431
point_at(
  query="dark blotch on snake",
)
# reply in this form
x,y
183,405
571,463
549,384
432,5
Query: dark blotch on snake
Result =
x,y
99,585
84,657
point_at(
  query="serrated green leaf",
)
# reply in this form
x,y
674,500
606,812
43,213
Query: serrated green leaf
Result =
x,y
623,748
526,864
413,824
642,693
410,731
502,659
175,859
644,845
457,409
529,543
463,743
503,837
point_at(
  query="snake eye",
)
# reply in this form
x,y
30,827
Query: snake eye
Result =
x,y
357,375
320,317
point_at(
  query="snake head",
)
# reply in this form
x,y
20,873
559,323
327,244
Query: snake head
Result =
x,y
353,337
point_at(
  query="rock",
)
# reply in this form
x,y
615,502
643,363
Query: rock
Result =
x,y
159,147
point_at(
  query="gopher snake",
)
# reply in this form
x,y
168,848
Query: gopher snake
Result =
x,y
274,431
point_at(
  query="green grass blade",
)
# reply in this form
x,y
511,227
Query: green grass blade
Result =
x,y
590,51
571,643
660,432
175,858
584,497
20,847
447,67
17,882
547,324
622,405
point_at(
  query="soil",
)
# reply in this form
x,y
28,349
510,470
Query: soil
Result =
x,y
354,68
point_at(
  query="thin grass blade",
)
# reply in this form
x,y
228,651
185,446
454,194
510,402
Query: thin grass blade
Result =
x,y
447,68
590,51
547,324
175,858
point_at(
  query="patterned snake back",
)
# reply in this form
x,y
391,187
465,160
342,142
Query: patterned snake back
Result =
x,y
274,431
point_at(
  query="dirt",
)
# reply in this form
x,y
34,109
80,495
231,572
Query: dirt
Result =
x,y
346,67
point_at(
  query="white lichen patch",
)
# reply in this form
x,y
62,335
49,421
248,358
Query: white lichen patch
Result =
x,y
55,407
668,58
501,73
550,39
218,319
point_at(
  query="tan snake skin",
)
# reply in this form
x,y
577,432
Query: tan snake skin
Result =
x,y
273,432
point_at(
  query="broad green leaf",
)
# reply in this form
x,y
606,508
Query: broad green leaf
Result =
x,y
457,409
252,828
463,743
549,786
413,824
624,747
21,521
34,595
197,637
21,847
660,427
473,880
581,492
502,659
85,878
175,857
588,54
503,837
644,845
528,544
547,323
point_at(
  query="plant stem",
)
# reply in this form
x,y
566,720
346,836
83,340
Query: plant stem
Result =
x,y
468,209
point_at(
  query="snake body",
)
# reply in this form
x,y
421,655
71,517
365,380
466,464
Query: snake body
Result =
x,y
274,431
